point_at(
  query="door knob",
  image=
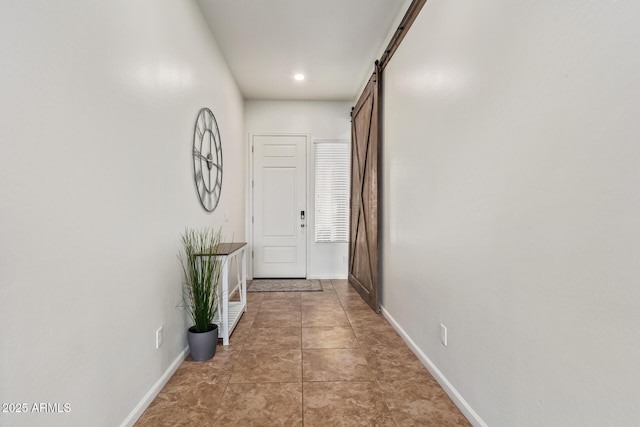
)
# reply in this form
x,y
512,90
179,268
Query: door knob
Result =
x,y
301,225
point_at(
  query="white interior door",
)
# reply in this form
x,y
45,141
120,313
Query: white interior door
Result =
x,y
279,206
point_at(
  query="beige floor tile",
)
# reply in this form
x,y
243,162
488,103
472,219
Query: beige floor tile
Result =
x,y
188,398
251,312
280,295
366,318
179,414
394,363
278,319
246,321
253,307
267,366
222,363
351,295
238,336
379,337
356,370
346,404
327,293
344,364
340,283
321,305
329,337
345,293
273,339
354,302
275,404
285,304
344,288
327,285
322,296
421,403
255,297
236,343
314,317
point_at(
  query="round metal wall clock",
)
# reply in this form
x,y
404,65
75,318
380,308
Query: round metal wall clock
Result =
x,y
207,159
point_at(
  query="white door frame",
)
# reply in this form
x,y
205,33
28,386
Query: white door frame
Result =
x,y
249,195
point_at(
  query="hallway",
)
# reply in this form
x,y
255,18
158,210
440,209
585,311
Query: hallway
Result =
x,y
306,358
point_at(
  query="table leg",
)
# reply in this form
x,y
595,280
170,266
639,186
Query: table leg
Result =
x,y
224,318
243,279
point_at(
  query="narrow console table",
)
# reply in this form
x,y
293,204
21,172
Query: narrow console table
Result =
x,y
229,312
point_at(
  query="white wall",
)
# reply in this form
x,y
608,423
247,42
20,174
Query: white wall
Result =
x,y
322,120
96,119
511,202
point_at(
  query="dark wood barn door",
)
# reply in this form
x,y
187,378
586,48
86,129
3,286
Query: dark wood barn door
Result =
x,y
366,119
363,232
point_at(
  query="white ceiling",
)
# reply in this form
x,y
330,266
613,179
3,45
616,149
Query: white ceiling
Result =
x,y
332,42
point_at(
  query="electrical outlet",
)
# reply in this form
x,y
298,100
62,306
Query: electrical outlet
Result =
x,y
159,337
443,334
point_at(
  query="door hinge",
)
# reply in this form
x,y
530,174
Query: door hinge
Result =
x,y
251,220
252,149
251,254
252,182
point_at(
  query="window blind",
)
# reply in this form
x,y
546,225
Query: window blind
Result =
x,y
332,169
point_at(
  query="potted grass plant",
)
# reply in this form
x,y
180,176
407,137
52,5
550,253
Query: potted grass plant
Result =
x,y
200,289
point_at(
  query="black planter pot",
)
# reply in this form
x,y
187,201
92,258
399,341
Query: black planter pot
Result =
x,y
203,344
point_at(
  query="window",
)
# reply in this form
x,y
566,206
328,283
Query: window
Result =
x,y
332,164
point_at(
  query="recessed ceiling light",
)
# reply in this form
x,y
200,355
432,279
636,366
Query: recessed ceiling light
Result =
x,y
299,76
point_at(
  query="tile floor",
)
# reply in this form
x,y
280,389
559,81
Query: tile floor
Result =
x,y
306,359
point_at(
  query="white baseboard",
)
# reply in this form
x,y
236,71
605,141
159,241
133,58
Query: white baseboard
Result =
x,y
153,392
457,398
